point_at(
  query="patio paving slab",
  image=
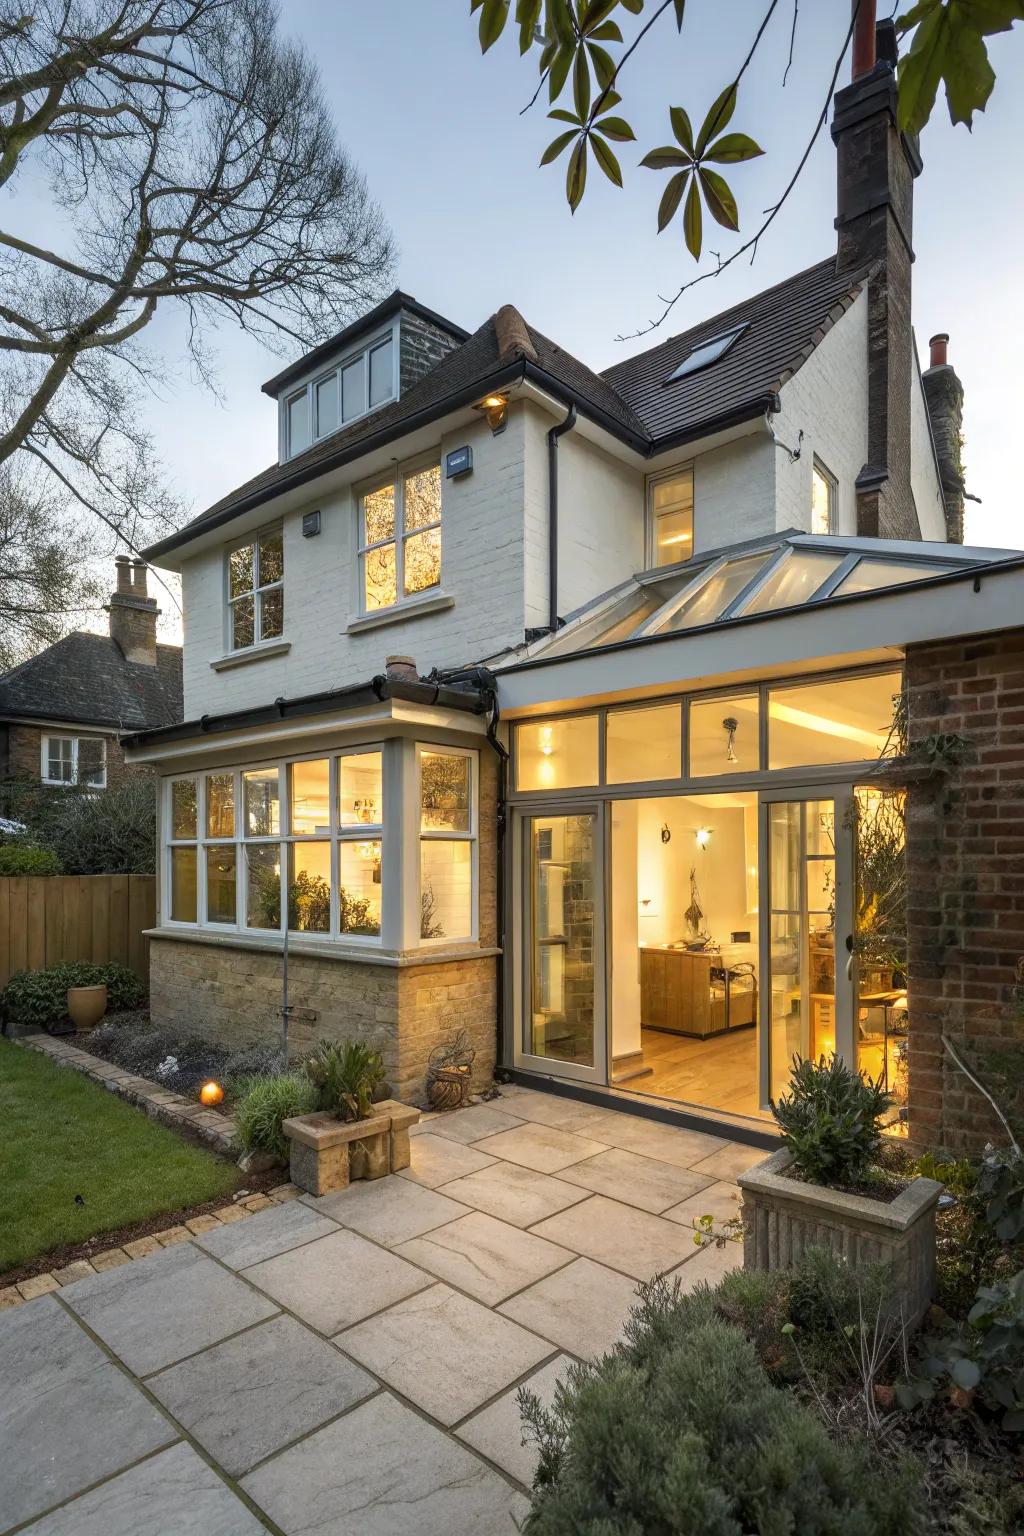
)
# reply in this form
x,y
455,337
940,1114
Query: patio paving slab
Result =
x,y
514,1194
158,1310
484,1256
438,1159
635,1242
636,1180
444,1352
383,1471
173,1494
708,1266
337,1280
391,1211
544,1148
68,1416
551,1109
721,1200
497,1430
652,1138
467,1125
732,1160
582,1308
266,1234
254,1394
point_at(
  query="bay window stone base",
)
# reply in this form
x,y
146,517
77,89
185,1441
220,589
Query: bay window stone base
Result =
x,y
231,994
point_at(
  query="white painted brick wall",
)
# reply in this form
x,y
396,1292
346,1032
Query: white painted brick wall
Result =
x,y
734,492
924,479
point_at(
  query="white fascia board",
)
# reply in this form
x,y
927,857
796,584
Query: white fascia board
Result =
x,y
876,627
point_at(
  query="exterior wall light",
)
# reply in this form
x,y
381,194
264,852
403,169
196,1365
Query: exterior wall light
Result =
x,y
494,409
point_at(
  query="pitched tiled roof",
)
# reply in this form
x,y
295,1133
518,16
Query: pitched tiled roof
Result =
x,y
85,679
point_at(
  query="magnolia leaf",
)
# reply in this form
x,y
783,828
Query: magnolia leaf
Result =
x,y
576,175
561,115
605,159
719,113
615,128
731,148
660,159
693,220
720,201
604,65
561,64
581,85
671,198
594,13
680,6
556,146
527,18
682,128
916,13
609,32
634,7
920,71
967,72
607,100
493,17
559,20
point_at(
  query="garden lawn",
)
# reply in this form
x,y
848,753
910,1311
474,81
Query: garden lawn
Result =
x,y
65,1140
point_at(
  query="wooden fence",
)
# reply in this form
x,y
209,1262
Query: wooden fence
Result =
x,y
45,919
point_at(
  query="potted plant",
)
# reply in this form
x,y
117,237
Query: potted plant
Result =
x,y
830,1186
349,1135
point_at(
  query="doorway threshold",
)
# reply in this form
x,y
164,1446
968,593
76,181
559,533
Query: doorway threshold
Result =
x,y
688,1117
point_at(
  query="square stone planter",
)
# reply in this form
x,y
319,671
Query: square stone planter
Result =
x,y
783,1217
327,1153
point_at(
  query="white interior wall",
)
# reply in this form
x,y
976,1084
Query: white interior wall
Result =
x,y
624,935
722,869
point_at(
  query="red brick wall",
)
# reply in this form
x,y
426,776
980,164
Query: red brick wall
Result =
x,y
965,852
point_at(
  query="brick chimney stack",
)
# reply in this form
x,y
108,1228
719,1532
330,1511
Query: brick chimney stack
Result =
x,y
876,169
945,396
133,613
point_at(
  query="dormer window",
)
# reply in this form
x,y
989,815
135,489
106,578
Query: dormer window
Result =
x,y
357,383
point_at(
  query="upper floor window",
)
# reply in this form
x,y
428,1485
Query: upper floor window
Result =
x,y
359,383
75,760
823,499
256,590
670,516
400,538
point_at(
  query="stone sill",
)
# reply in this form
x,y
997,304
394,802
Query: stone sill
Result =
x,y
251,653
412,608
768,1180
301,949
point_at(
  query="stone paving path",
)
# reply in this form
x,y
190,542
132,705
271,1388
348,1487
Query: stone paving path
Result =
x,y
349,1366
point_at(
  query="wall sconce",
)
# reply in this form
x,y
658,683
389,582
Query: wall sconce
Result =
x,y
494,409
703,836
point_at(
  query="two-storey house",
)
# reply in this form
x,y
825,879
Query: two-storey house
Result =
x,y
533,701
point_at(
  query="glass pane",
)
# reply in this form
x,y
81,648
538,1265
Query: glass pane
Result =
x,y
423,498
838,721
183,808
672,506
644,744
220,805
309,887
821,502
272,613
309,797
92,760
242,625
220,885
559,754
444,792
379,515
881,942
562,937
359,887
262,796
298,423
712,599
360,793
271,562
380,579
353,389
724,736
60,759
241,569
183,885
793,582
381,380
871,575
263,885
446,889
422,556
327,405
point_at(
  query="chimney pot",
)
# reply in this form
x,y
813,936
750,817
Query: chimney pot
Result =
x,y
401,669
139,578
123,566
863,37
937,346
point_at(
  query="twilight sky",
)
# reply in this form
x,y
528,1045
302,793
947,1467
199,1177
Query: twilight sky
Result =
x,y
437,131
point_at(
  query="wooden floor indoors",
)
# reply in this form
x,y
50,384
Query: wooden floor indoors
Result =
x,y
720,1073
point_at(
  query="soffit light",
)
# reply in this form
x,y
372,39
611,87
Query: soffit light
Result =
x,y
494,409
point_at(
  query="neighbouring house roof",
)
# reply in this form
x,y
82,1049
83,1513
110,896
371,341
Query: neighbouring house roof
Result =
x,y
630,400
84,679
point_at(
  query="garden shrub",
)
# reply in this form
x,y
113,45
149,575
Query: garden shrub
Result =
x,y
345,1076
264,1104
982,1357
113,833
831,1121
680,1432
39,997
24,859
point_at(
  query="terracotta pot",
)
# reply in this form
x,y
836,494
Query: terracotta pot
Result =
x,y
86,1005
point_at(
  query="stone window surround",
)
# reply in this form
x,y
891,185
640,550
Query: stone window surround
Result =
x,y
44,757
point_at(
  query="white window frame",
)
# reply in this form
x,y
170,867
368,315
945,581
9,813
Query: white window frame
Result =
x,y
397,477
44,760
650,542
822,470
442,835
256,591
309,389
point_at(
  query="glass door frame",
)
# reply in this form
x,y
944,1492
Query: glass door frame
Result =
x,y
842,797
521,930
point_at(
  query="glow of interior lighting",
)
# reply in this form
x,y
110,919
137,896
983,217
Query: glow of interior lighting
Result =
x,y
547,745
703,836
822,725
366,850
677,538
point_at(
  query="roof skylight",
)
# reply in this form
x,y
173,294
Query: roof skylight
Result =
x,y
707,353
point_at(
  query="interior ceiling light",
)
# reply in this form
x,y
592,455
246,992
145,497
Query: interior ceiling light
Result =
x,y
494,409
